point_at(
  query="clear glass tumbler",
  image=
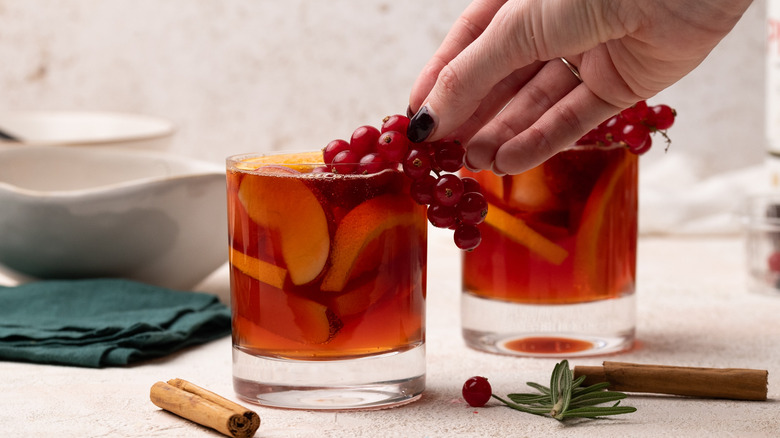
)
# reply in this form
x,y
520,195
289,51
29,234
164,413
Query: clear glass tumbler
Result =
x,y
762,238
555,273
327,285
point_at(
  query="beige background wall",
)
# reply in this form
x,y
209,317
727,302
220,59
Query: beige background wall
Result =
x,y
240,75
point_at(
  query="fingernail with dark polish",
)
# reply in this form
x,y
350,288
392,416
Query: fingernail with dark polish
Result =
x,y
421,125
409,112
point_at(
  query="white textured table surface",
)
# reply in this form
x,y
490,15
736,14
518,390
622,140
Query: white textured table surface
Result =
x,y
694,310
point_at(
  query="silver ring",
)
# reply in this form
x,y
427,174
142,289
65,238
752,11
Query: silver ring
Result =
x,y
572,68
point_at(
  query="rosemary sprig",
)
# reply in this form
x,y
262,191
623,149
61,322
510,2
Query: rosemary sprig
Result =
x,y
566,398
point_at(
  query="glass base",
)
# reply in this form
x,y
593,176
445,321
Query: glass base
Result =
x,y
366,383
562,330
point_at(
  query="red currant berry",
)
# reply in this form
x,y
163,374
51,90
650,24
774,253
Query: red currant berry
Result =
x,y
470,185
472,208
392,145
642,148
448,190
417,163
467,237
477,391
396,123
773,263
635,114
331,149
449,155
588,139
432,152
661,117
613,128
421,189
321,169
371,163
363,140
441,216
345,162
600,136
635,135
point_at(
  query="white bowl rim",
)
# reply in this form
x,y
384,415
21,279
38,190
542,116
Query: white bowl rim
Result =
x,y
195,168
156,127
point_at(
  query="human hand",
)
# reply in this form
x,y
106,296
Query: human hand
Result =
x,y
497,82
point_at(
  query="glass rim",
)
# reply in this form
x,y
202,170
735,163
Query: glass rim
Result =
x,y
593,146
304,168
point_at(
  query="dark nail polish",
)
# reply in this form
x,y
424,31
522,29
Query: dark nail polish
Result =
x,y
420,126
409,112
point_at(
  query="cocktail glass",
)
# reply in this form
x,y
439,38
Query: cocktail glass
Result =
x,y
762,233
327,276
554,275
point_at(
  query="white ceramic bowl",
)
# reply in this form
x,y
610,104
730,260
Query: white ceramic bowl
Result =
x,y
87,128
82,212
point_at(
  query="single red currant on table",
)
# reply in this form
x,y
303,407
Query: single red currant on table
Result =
x,y
477,391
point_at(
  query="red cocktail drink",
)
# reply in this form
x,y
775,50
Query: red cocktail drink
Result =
x,y
327,285
556,267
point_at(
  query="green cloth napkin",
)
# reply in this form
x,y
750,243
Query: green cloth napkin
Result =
x,y
104,322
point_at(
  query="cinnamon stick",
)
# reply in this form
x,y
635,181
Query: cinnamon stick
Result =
x,y
204,407
729,383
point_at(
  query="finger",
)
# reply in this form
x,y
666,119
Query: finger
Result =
x,y
520,33
547,87
470,25
496,101
558,128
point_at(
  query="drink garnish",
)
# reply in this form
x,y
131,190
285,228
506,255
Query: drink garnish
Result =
x,y
517,230
451,202
565,398
633,127
432,166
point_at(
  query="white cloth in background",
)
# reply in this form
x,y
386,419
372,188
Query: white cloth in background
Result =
x,y
675,197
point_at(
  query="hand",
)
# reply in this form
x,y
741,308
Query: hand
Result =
x,y
497,82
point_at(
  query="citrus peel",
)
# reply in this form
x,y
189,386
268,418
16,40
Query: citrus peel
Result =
x,y
302,162
288,207
517,230
604,202
260,270
359,227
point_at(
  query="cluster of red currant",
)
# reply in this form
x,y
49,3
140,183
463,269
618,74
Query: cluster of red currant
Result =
x,y
453,202
632,127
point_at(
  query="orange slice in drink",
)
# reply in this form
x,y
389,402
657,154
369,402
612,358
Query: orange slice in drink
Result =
x,y
360,227
302,162
287,207
517,230
297,318
361,295
258,269
285,314
530,192
603,255
534,194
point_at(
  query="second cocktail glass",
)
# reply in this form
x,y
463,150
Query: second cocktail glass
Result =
x,y
555,272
